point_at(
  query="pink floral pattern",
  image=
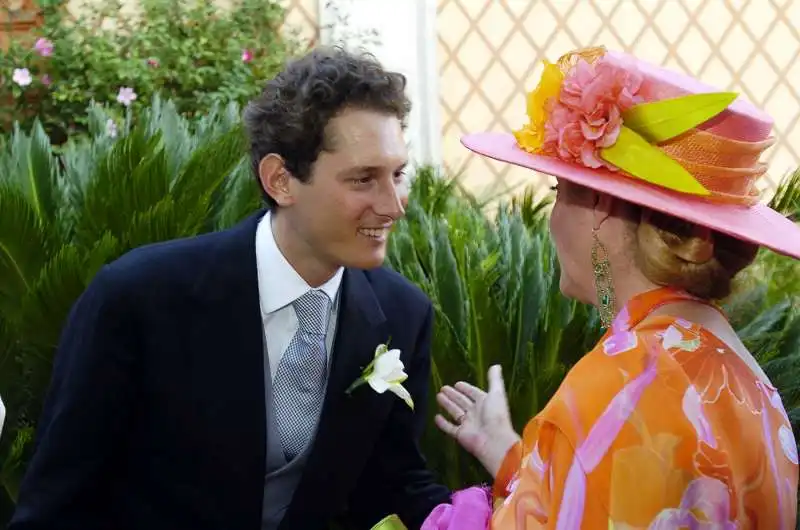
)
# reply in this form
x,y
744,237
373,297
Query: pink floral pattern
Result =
x,y
705,505
622,339
679,433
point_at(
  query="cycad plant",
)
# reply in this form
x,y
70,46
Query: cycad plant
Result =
x,y
65,215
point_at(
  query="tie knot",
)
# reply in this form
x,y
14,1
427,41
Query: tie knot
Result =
x,y
312,311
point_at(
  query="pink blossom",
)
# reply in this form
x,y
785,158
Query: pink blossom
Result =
x,y
588,113
46,81
126,96
22,76
43,47
152,61
247,56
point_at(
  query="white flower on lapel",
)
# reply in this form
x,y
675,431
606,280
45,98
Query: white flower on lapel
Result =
x,y
385,372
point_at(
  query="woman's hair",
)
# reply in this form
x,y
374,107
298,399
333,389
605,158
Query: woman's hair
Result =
x,y
675,253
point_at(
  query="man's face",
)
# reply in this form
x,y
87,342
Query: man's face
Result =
x,y
357,190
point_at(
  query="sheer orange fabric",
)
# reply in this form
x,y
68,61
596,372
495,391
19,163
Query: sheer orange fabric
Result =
x,y
661,426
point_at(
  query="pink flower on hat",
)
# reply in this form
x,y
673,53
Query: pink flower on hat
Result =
x,y
588,113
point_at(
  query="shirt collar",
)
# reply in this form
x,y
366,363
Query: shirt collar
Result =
x,y
278,283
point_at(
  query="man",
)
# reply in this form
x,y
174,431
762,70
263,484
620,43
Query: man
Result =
x,y
202,383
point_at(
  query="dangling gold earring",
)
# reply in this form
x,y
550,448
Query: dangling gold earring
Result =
x,y
603,282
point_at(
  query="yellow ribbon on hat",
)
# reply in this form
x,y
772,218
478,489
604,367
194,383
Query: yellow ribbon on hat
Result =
x,y
390,522
643,126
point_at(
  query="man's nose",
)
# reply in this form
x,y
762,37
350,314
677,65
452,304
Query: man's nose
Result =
x,y
393,199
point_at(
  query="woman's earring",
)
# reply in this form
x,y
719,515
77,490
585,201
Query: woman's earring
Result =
x,y
603,282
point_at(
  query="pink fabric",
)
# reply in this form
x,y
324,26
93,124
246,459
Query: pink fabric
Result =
x,y
758,224
471,510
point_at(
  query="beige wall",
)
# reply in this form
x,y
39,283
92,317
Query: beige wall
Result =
x,y
490,52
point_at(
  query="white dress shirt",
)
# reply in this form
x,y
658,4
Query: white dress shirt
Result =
x,y
278,286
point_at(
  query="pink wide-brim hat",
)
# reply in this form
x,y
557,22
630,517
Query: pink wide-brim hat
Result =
x,y
740,122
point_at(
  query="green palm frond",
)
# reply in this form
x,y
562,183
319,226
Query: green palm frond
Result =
x,y
13,466
44,307
160,222
23,241
787,197
130,177
204,173
533,211
31,166
239,197
103,251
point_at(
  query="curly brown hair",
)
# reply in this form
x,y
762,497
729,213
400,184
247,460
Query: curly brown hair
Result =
x,y
290,116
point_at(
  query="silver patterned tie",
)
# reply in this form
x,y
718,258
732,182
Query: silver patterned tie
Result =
x,y
299,386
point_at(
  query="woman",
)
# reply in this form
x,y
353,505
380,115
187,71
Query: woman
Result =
x,y
668,422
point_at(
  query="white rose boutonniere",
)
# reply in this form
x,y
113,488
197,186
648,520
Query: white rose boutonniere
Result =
x,y
385,372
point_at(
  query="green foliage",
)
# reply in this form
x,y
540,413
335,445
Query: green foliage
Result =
x,y
190,51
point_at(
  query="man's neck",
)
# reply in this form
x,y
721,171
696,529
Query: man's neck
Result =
x,y
300,256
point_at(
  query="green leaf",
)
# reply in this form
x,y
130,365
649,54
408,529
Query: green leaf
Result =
x,y
634,155
32,167
23,244
658,121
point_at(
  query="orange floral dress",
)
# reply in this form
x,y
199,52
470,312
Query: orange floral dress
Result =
x,y
661,426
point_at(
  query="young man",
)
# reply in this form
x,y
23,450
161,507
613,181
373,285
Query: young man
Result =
x,y
201,383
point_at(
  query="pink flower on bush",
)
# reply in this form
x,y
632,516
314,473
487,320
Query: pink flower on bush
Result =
x,y
247,56
46,81
43,47
588,113
22,76
126,96
153,62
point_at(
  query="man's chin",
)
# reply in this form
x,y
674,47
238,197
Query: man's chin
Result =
x,y
369,259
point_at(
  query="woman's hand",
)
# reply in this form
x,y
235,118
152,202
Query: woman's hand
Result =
x,y
482,420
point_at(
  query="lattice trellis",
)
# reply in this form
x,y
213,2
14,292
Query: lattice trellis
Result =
x,y
490,54
302,18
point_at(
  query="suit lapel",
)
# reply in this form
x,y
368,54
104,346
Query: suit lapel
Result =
x,y
349,423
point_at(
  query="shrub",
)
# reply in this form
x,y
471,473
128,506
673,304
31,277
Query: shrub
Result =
x,y
190,51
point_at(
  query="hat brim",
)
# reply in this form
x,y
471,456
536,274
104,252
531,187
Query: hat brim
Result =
x,y
758,224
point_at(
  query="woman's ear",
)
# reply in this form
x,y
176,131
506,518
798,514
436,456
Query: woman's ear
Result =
x,y
603,205
274,179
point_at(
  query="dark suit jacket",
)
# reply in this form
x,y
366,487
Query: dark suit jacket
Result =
x,y
156,415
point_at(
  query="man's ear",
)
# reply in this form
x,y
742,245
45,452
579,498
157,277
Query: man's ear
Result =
x,y
274,179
